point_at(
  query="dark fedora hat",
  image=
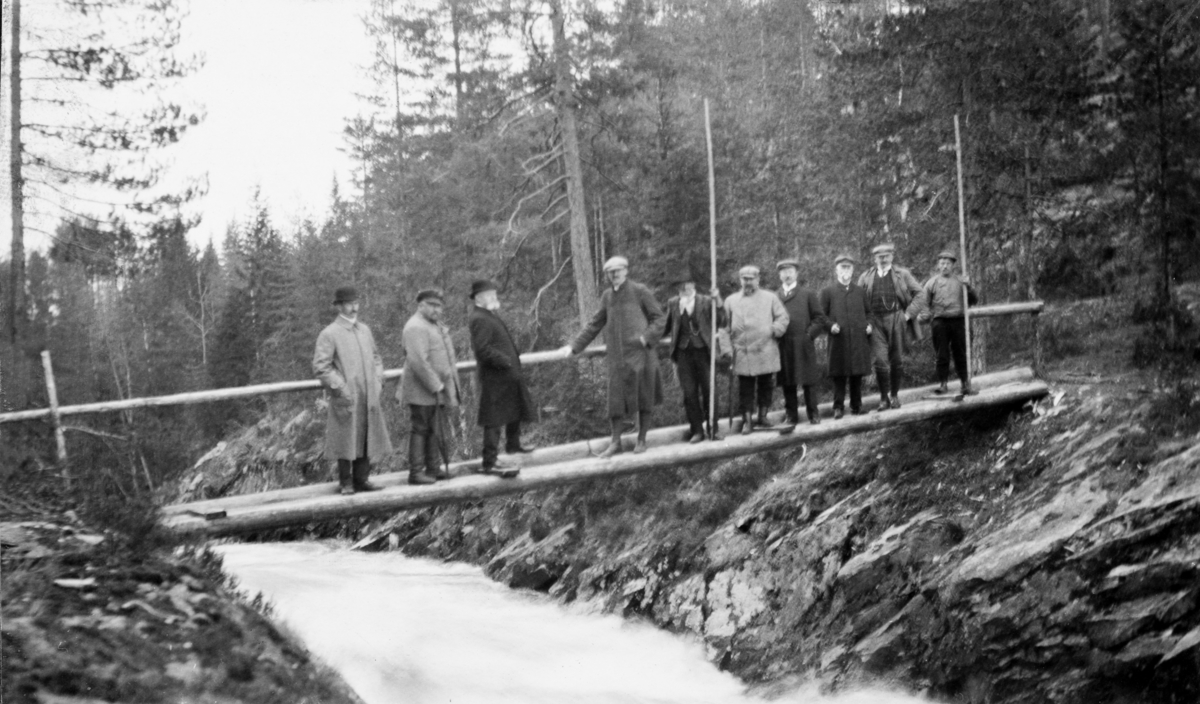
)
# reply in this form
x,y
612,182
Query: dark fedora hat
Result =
x,y
345,294
481,285
430,294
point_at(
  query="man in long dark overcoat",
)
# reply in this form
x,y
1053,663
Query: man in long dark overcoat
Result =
x,y
847,320
633,322
797,355
896,301
690,324
504,400
351,370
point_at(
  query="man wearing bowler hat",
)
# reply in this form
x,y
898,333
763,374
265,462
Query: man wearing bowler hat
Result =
x,y
504,400
797,354
896,301
944,301
690,324
351,370
633,322
430,387
756,317
847,320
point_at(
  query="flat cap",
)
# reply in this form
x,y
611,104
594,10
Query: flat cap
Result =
x,y
885,248
947,254
748,271
345,294
616,263
430,294
785,263
844,257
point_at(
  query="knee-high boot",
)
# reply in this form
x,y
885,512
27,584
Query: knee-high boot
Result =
x,y
416,461
345,483
362,470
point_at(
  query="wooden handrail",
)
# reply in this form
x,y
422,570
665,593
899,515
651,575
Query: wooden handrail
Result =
x,y
228,394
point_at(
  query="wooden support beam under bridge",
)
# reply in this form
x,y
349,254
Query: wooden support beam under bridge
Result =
x,y
567,464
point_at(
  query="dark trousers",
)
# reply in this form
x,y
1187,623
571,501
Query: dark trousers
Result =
x,y
355,471
423,445
791,403
752,389
950,340
887,344
839,393
491,441
691,365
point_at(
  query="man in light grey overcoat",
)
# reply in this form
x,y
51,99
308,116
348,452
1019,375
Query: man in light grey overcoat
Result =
x,y
351,370
430,387
756,319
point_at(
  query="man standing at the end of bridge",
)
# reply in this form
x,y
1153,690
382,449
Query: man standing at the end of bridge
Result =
x,y
349,367
633,322
896,300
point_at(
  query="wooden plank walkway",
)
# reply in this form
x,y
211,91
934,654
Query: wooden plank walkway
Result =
x,y
571,463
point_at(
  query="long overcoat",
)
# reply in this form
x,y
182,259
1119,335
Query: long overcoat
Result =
x,y
503,395
633,322
797,354
910,295
754,323
430,365
351,370
850,348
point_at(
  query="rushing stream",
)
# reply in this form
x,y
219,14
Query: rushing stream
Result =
x,y
400,629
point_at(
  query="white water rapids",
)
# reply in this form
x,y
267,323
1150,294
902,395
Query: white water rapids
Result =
x,y
400,629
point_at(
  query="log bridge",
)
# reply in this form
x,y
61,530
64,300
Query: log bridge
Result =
x,y
561,465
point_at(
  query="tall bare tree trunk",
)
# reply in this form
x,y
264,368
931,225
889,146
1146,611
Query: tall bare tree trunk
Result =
x,y
16,288
564,102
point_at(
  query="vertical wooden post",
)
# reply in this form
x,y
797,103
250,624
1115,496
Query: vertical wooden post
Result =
x,y
60,439
962,244
1037,344
712,243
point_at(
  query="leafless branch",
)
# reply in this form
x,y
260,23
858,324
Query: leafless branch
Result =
x,y
534,307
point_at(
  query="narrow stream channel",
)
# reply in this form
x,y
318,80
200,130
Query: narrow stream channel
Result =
x,y
401,629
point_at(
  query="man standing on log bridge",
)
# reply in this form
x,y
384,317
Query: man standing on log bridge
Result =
x,y
797,354
689,321
504,400
349,367
756,318
847,314
430,386
633,322
944,300
896,300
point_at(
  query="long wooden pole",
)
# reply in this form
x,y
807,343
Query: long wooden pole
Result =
x,y
712,246
962,246
60,440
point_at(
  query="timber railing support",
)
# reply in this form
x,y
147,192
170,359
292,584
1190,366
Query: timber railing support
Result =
x,y
60,440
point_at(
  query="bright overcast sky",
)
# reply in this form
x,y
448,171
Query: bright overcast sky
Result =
x,y
278,85
279,82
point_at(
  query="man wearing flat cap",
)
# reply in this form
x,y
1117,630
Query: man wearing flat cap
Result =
x,y
504,400
896,301
847,320
756,318
430,388
797,354
944,302
351,370
633,322
690,325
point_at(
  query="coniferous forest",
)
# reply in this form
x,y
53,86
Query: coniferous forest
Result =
x,y
527,141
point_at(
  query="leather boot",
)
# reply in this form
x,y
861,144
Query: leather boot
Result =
x,y
416,461
345,483
762,421
643,426
747,424
614,443
434,467
362,470
885,402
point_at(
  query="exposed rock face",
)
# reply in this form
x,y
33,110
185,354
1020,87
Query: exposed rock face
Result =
x,y
1052,558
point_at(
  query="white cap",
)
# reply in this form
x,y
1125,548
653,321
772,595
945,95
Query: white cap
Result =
x,y
616,263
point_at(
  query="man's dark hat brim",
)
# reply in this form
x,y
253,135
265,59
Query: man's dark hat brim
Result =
x,y
345,294
430,294
482,285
